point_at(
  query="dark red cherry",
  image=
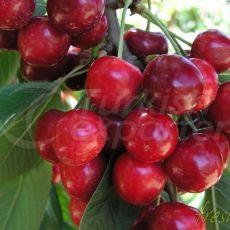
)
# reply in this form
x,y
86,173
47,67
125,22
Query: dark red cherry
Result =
x,y
143,43
45,134
81,135
112,83
9,39
176,216
210,83
219,111
92,37
214,47
149,136
41,44
75,16
81,181
173,83
137,182
56,175
196,164
15,14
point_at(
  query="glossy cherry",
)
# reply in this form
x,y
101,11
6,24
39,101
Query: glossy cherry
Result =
x,y
15,14
196,164
143,43
81,135
137,182
210,83
81,181
92,37
41,44
45,134
149,136
75,16
9,39
112,83
56,175
214,47
173,84
176,216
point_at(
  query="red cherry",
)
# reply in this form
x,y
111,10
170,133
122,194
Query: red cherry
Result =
x,y
210,83
112,83
77,208
214,47
75,16
81,181
92,37
137,182
219,111
15,14
149,136
176,216
44,134
196,164
41,44
56,176
173,83
144,43
81,135
9,39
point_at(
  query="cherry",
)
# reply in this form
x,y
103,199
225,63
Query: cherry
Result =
x,y
81,135
214,47
92,37
44,134
137,182
8,39
219,111
176,216
15,14
41,44
56,175
173,84
81,181
149,136
210,83
112,83
196,164
144,43
75,16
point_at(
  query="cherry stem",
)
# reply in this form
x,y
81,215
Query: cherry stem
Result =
x,y
158,201
188,119
181,39
176,196
148,23
95,51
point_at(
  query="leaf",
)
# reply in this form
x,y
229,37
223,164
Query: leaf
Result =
x,y
40,7
23,199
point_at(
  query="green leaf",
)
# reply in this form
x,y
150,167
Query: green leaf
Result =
x,y
40,7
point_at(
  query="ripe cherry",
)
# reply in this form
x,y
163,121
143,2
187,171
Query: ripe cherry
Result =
x,y
81,181
210,83
149,136
173,84
15,14
75,16
56,175
53,45
144,43
214,47
176,216
9,39
45,134
112,83
81,135
196,164
137,182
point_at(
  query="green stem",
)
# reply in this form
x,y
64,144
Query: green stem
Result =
x,y
188,119
181,39
95,51
214,206
148,23
158,201
176,194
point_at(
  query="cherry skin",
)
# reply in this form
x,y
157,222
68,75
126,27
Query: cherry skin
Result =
x,y
53,45
143,43
81,135
196,164
81,181
210,83
56,175
173,84
149,136
176,216
15,14
92,37
136,182
44,134
214,47
8,39
71,17
112,83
